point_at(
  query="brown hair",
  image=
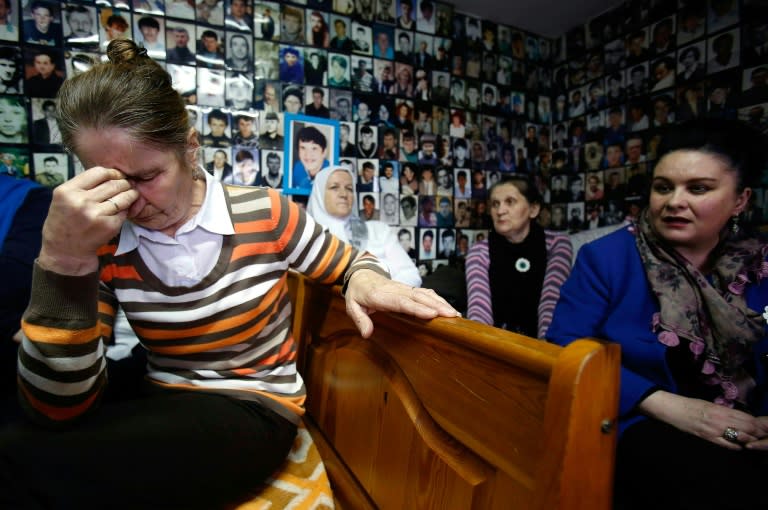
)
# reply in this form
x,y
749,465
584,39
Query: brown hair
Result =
x,y
130,91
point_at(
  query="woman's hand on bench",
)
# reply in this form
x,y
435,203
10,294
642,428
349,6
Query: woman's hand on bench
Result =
x,y
368,292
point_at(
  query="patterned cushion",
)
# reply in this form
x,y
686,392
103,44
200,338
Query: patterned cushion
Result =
x,y
301,484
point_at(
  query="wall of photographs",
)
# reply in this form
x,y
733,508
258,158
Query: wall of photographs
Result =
x,y
433,105
621,76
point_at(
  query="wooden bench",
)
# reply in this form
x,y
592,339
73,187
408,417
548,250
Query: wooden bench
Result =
x,y
452,414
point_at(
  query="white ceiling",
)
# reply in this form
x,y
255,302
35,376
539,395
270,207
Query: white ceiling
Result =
x,y
551,18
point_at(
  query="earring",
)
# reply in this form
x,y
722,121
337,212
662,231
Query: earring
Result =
x,y
735,224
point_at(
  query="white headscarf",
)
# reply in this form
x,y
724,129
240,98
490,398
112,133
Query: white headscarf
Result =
x,y
351,228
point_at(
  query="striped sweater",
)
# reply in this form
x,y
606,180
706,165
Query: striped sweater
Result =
x,y
559,255
230,333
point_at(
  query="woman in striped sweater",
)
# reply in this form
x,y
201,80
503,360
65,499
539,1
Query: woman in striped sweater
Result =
x,y
514,278
200,269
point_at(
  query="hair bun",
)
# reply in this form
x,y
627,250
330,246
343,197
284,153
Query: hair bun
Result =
x,y
122,51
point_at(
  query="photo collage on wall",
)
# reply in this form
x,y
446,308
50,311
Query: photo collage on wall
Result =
x,y
624,75
428,106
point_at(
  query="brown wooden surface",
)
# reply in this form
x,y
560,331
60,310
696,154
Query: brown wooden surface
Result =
x,y
452,414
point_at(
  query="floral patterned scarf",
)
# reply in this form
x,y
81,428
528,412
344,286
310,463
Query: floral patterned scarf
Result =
x,y
712,317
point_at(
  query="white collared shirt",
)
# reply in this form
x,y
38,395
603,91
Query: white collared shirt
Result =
x,y
189,256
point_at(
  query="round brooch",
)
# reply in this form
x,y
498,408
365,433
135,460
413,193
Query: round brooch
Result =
x,y
522,265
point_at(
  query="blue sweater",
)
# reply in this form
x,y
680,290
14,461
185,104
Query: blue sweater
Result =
x,y
608,297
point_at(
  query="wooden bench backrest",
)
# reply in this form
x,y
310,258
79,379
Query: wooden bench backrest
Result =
x,y
451,414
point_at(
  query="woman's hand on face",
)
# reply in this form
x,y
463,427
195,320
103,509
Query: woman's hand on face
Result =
x,y
85,213
706,420
369,291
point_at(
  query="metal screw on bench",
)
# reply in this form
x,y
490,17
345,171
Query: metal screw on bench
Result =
x,y
606,426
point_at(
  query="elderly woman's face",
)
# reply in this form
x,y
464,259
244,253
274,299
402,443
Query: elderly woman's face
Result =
x,y
339,194
693,196
163,180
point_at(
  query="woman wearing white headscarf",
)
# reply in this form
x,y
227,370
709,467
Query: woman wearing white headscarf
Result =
x,y
332,204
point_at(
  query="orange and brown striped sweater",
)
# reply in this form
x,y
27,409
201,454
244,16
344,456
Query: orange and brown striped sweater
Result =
x,y
230,333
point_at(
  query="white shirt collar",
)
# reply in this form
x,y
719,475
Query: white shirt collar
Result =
x,y
213,216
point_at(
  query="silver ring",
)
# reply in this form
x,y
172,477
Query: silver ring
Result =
x,y
117,208
731,434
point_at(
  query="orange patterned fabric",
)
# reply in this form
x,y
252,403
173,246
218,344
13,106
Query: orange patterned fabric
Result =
x,y
301,484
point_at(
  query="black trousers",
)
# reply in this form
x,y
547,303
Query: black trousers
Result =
x,y
157,450
660,467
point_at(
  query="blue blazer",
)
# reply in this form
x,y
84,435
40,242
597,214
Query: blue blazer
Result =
x,y
607,296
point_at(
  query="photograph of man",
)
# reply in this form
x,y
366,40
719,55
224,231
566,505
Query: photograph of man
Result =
x,y
405,15
245,132
291,64
636,80
691,66
238,15
339,70
342,105
315,67
209,51
316,103
239,90
178,49
366,180
269,98
403,46
270,137
11,67
367,141
362,38
239,53
389,181
45,130
461,212
292,21
271,169
49,171
663,73
755,86
266,57
445,212
150,34
364,10
79,28
427,249
45,74
386,11
13,120
405,238
341,41
264,20
217,132
447,243
310,156
368,210
44,28
388,148
723,51
347,146
217,164
389,209
408,210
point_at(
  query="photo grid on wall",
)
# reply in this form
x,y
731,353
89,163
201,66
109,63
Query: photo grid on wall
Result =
x,y
439,104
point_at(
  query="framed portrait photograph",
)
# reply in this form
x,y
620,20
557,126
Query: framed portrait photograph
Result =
x,y
311,144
